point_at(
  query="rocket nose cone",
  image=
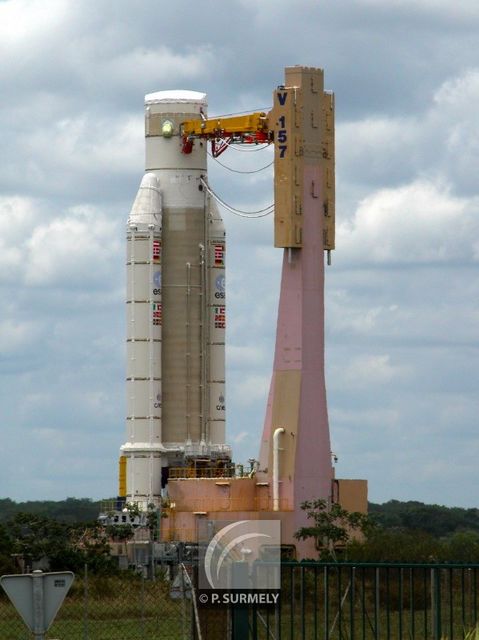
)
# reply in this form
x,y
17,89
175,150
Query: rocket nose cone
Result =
x,y
146,208
149,180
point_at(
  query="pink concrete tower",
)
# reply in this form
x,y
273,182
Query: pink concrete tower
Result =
x,y
295,455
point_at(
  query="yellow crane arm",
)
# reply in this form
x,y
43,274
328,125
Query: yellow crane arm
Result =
x,y
250,124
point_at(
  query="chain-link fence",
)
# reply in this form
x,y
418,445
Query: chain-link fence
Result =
x,y
123,607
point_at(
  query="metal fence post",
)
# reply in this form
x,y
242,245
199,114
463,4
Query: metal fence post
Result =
x,y
240,613
436,602
377,603
85,602
142,603
326,601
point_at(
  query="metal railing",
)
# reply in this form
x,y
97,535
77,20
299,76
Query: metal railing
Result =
x,y
220,471
363,601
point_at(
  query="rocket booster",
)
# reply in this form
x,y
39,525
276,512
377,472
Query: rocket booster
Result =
x,y
176,317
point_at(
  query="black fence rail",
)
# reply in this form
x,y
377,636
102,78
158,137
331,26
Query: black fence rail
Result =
x,y
124,607
354,601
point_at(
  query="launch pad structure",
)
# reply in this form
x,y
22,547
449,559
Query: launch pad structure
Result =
x,y
175,458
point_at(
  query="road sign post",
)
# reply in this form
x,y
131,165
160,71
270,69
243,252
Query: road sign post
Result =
x,y
38,606
37,597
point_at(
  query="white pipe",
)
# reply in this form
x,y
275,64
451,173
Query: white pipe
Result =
x,y
276,450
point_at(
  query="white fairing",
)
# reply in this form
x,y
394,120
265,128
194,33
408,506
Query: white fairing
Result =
x,y
179,173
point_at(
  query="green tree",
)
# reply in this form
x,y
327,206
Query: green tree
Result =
x,y
382,545
72,510
6,550
437,520
331,527
66,546
462,546
91,546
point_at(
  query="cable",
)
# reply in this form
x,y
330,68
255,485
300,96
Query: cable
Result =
x,y
239,113
235,147
261,213
237,170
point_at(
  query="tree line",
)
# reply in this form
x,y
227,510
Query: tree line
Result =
x,y
71,510
393,532
434,519
68,533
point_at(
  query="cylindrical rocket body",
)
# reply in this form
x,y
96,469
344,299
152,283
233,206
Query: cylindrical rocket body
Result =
x,y
183,264
193,291
176,308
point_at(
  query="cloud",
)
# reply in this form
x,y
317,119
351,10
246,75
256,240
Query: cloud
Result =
x,y
436,10
418,223
22,21
440,144
369,370
244,356
14,334
251,388
72,250
241,437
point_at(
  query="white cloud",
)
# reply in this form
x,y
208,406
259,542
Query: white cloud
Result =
x,y
22,21
75,250
249,389
17,215
418,223
377,418
241,437
163,64
344,316
245,355
82,145
439,144
371,371
15,334
466,9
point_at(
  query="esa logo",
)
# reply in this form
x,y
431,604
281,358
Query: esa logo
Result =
x,y
157,283
220,287
221,403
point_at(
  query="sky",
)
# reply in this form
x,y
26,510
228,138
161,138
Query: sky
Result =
x,y
402,293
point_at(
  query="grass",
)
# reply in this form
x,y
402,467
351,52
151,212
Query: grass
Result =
x,y
110,609
398,607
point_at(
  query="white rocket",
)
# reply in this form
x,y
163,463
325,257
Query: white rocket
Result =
x,y
176,316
